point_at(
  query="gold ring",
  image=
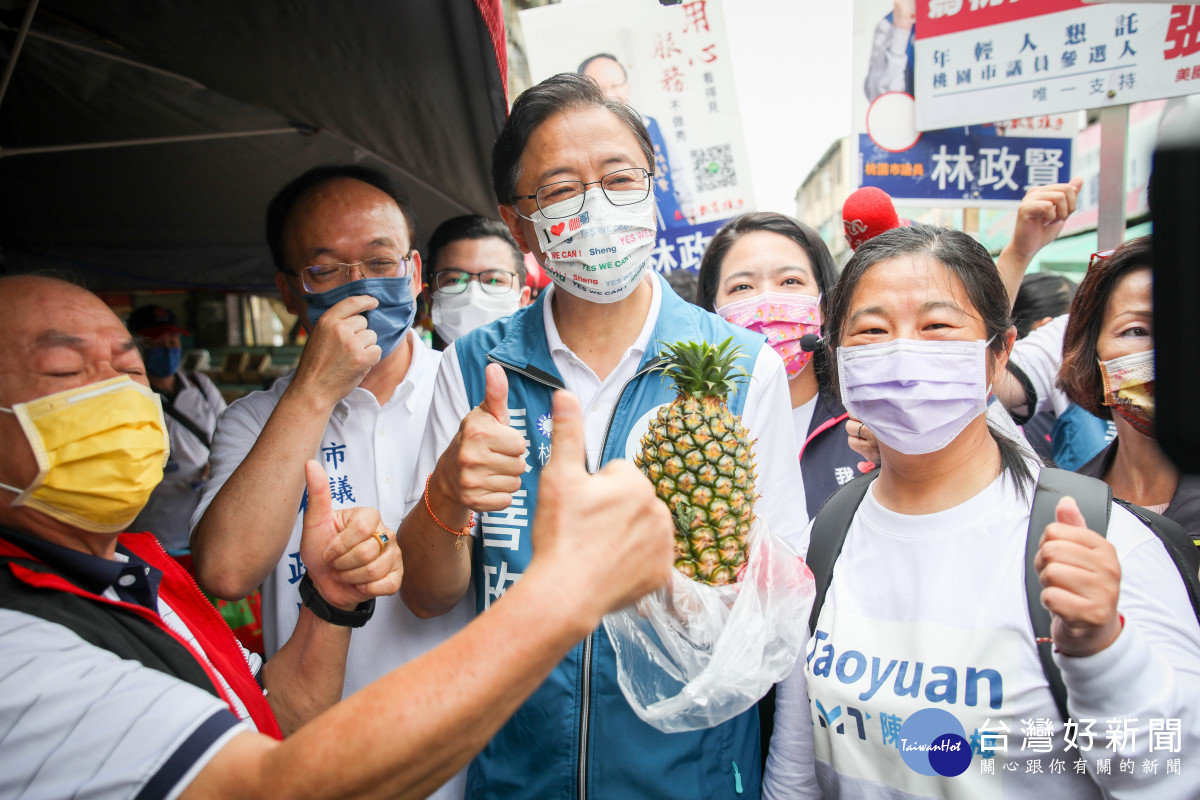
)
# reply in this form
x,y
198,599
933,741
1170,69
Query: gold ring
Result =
x,y
382,537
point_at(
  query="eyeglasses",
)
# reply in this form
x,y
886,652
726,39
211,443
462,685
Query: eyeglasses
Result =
x,y
1099,256
322,277
492,281
565,198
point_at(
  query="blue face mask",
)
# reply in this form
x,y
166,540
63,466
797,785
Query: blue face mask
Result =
x,y
162,362
390,320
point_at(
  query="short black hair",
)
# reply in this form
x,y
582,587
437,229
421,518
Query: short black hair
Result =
x,y
472,226
285,200
563,92
583,65
808,240
1042,294
968,261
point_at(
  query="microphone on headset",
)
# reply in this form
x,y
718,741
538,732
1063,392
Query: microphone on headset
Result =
x,y
810,342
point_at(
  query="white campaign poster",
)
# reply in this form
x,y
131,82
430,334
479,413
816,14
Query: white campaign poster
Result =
x,y
986,165
672,64
977,60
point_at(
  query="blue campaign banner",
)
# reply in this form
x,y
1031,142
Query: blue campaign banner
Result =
x,y
964,164
682,247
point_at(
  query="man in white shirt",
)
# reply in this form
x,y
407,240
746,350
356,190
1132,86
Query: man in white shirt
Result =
x,y
344,247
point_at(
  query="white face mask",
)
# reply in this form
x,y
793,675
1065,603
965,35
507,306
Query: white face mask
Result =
x,y
916,396
600,253
455,315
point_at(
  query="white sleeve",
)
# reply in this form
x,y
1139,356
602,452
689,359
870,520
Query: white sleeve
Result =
x,y
77,721
1147,681
237,431
889,60
446,411
1039,355
790,773
768,417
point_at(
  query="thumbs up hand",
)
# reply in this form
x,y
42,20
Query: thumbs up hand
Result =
x,y
1081,583
346,559
606,538
482,466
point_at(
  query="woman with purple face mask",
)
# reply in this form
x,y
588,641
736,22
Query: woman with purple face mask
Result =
x,y
768,272
1108,369
922,677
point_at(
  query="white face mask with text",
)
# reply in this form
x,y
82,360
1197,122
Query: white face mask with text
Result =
x,y
457,314
600,253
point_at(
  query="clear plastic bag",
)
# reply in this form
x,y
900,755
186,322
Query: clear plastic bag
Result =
x,y
691,656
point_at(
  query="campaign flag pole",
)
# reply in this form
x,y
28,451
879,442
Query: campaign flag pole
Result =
x,y
1114,133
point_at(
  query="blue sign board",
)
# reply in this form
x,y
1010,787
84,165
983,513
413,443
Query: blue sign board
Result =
x,y
965,164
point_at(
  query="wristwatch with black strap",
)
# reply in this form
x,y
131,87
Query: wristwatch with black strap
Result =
x,y
331,614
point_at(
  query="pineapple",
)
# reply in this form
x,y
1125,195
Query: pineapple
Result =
x,y
698,456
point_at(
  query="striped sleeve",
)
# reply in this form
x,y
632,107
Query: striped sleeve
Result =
x,y
77,721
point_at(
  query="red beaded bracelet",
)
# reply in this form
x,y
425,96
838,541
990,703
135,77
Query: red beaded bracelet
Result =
x,y
458,542
1050,639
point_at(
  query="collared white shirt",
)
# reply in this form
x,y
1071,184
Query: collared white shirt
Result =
x,y
597,397
368,452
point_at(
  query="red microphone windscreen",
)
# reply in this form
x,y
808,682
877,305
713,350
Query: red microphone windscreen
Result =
x,y
867,213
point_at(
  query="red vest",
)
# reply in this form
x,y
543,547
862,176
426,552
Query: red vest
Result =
x,y
179,590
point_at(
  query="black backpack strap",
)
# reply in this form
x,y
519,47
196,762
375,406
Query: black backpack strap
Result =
x,y
187,422
829,533
1180,548
1094,499
168,407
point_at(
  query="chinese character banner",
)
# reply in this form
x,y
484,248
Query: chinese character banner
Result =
x,y
682,247
982,165
979,59
966,164
672,65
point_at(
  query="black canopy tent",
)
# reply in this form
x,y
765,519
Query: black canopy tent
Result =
x,y
140,140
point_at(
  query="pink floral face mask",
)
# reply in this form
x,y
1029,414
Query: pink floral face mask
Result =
x,y
783,318
1129,389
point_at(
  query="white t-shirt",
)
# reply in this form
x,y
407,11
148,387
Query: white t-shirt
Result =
x,y
767,416
1039,355
801,418
929,612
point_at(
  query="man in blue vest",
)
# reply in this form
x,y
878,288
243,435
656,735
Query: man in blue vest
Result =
x,y
572,171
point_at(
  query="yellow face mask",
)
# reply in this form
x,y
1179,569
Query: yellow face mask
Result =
x,y
100,451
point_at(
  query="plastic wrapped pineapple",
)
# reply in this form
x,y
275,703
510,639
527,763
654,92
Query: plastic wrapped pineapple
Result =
x,y
699,457
704,650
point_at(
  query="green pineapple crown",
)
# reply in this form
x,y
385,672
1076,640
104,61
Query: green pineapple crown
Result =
x,y
700,369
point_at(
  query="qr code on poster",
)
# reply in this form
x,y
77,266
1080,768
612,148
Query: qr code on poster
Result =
x,y
712,168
